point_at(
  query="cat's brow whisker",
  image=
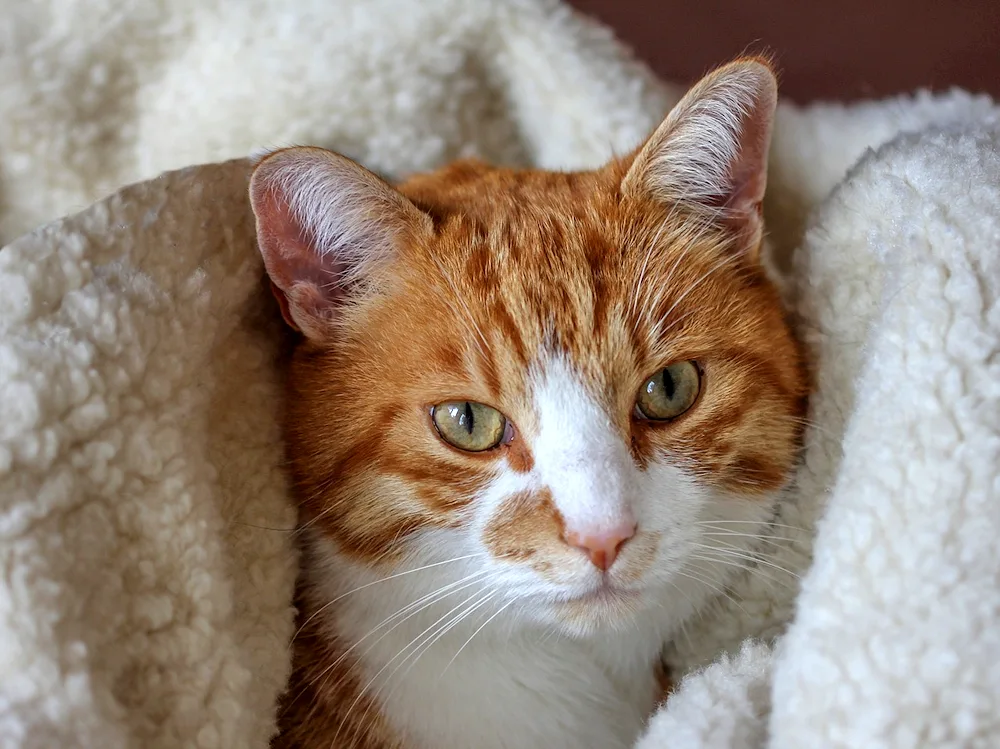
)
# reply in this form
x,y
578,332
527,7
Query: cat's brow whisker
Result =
x,y
633,304
670,273
726,261
658,334
468,317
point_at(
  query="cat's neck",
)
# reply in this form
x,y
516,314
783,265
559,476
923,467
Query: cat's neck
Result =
x,y
423,659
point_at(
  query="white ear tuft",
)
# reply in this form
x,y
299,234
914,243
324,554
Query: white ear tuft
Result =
x,y
325,225
710,153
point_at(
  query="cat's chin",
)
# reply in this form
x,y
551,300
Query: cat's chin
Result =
x,y
602,610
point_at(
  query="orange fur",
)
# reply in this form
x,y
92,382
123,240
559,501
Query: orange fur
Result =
x,y
517,261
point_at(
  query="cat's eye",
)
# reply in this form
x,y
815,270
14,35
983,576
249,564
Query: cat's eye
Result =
x,y
470,426
670,392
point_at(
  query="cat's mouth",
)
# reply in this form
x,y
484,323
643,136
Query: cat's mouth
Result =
x,y
602,606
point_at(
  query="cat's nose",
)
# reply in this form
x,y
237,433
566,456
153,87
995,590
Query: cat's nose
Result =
x,y
602,547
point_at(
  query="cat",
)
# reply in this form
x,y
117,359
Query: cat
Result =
x,y
534,422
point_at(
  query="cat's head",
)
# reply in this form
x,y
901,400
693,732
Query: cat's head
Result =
x,y
579,385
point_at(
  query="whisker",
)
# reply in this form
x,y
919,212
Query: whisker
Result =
x,y
264,527
414,608
642,273
428,643
480,629
683,624
658,334
319,516
726,261
739,554
670,273
763,523
811,425
688,573
416,640
680,590
752,570
450,625
327,605
736,534
468,317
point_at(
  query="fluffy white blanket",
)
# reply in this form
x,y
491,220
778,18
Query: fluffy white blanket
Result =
x,y
146,566
895,640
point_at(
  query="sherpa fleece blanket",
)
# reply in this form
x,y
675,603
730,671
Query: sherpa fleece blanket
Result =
x,y
146,558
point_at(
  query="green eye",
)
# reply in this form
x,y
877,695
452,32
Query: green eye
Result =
x,y
670,392
468,425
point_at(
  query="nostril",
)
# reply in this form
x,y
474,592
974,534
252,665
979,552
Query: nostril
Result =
x,y
601,547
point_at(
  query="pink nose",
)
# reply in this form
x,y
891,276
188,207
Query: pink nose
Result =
x,y
602,548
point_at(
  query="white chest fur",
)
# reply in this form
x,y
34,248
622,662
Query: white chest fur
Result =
x,y
507,690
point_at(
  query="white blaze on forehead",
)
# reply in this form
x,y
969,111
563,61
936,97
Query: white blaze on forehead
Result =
x,y
579,455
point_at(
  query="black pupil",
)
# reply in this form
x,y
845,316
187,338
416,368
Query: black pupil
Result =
x,y
466,418
668,384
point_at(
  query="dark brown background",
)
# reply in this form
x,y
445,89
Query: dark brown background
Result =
x,y
845,49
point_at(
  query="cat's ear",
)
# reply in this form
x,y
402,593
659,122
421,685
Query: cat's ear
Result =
x,y
710,153
325,226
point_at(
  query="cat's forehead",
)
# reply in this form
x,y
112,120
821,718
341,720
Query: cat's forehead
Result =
x,y
536,264
545,226
473,186
540,239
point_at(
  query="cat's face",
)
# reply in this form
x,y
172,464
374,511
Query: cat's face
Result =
x,y
579,387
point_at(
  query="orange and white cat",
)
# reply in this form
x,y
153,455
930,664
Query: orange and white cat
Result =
x,y
534,422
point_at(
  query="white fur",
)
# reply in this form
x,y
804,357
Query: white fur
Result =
x,y
144,603
578,456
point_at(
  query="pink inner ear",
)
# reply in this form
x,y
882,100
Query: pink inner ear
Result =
x,y
303,278
286,313
748,177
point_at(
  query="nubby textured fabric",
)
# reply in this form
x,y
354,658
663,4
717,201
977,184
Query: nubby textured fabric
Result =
x,y
146,548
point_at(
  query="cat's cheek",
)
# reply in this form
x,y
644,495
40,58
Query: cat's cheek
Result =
x,y
669,498
525,531
523,526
